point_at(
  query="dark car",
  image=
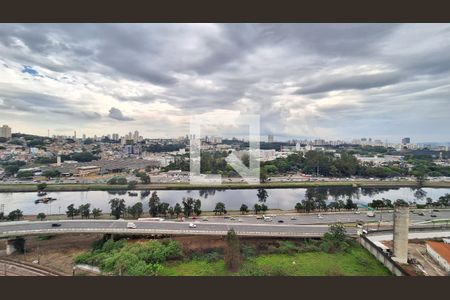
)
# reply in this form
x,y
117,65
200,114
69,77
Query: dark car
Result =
x,y
280,221
433,215
56,224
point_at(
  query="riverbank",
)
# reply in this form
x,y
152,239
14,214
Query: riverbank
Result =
x,y
186,186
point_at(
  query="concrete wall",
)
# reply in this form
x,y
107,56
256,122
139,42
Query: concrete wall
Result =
x,y
401,226
439,259
15,245
382,257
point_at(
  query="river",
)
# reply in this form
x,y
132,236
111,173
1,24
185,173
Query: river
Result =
x,y
284,199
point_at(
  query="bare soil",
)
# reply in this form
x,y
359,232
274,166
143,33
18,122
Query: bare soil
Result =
x,y
56,253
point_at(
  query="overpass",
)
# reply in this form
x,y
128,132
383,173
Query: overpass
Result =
x,y
20,229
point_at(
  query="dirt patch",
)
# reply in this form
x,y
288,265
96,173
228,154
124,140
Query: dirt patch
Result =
x,y
56,252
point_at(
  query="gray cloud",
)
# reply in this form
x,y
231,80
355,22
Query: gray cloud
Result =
x,y
117,114
291,74
357,82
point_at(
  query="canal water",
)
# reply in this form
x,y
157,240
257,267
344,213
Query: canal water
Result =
x,y
284,199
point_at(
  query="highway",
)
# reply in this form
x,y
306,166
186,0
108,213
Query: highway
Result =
x,y
334,217
163,227
304,225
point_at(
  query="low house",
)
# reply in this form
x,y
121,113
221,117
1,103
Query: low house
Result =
x,y
440,252
88,170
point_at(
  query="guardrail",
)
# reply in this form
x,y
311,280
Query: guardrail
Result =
x,y
155,231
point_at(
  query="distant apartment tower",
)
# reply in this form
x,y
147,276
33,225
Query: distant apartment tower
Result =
x,y
5,132
406,140
115,136
136,136
270,138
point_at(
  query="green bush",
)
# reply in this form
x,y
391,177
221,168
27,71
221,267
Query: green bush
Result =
x,y
247,251
136,259
287,247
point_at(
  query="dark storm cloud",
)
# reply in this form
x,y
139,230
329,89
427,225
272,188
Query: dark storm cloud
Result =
x,y
117,114
358,82
36,103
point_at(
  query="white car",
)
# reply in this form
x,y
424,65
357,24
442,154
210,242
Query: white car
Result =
x,y
239,220
320,216
192,225
357,212
293,218
131,225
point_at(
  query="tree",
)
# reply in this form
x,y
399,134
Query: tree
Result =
x,y
262,195
10,170
41,216
25,174
136,210
220,208
340,205
85,210
163,208
117,180
177,209
2,216
232,253
401,202
188,206
263,175
335,239
117,207
41,186
308,205
145,179
197,207
153,204
51,173
171,211
132,184
298,207
96,212
257,208
15,215
244,209
71,211
264,208
349,204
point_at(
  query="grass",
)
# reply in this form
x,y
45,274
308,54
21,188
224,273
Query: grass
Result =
x,y
186,186
356,262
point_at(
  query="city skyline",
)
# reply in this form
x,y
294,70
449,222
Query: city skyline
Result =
x,y
330,81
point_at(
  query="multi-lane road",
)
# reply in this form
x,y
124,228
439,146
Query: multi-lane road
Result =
x,y
163,227
281,225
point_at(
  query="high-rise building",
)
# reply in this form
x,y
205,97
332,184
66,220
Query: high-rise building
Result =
x,y
406,140
115,136
136,136
5,132
270,138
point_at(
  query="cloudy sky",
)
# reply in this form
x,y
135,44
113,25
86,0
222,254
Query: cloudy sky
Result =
x,y
334,81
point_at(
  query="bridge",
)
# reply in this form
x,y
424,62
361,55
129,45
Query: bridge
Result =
x,y
15,232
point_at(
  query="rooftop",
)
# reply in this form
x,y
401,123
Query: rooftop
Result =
x,y
441,248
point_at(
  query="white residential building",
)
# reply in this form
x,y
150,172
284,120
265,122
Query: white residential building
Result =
x,y
5,132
